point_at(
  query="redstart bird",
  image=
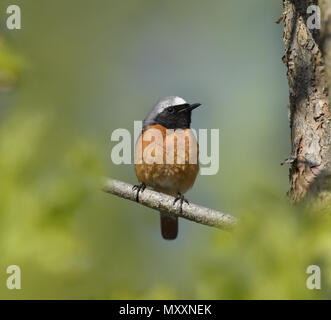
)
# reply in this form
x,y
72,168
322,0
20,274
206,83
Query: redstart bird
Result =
x,y
166,155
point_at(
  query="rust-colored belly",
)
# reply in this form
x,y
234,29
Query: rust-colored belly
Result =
x,y
170,164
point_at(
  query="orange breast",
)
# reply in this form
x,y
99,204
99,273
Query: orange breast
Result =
x,y
167,160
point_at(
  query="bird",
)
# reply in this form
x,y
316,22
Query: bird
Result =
x,y
166,155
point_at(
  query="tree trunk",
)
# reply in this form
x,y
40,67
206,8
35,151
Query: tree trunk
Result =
x,y
306,54
325,6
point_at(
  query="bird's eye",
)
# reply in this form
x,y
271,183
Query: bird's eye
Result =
x,y
171,109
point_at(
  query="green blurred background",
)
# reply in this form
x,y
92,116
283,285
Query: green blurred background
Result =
x,y
76,71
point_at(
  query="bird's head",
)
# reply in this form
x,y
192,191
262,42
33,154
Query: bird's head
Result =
x,y
171,112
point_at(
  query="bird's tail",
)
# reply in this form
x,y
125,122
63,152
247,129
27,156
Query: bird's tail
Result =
x,y
169,226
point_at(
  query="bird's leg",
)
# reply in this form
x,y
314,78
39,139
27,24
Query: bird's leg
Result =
x,y
181,200
140,188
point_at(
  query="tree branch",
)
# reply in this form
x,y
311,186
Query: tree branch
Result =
x,y
309,108
162,202
325,6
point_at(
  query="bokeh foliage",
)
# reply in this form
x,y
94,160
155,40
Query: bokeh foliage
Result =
x,y
87,68
10,66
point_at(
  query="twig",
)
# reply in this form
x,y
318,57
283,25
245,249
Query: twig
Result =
x,y
164,203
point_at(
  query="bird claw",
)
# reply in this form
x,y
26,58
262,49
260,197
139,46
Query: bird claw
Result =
x,y
140,188
181,199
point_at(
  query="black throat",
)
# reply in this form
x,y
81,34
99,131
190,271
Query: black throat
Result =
x,y
180,120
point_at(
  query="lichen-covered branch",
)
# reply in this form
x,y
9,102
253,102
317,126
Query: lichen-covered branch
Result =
x,y
309,108
164,203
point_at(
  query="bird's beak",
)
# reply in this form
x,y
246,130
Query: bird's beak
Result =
x,y
186,107
194,105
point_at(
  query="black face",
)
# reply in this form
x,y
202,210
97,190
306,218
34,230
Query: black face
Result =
x,y
170,118
173,117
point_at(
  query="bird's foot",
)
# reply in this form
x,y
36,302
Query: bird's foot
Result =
x,y
181,200
140,188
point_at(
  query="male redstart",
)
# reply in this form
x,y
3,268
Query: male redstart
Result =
x,y
166,155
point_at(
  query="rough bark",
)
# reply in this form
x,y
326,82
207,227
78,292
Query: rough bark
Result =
x,y
325,6
309,108
164,203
